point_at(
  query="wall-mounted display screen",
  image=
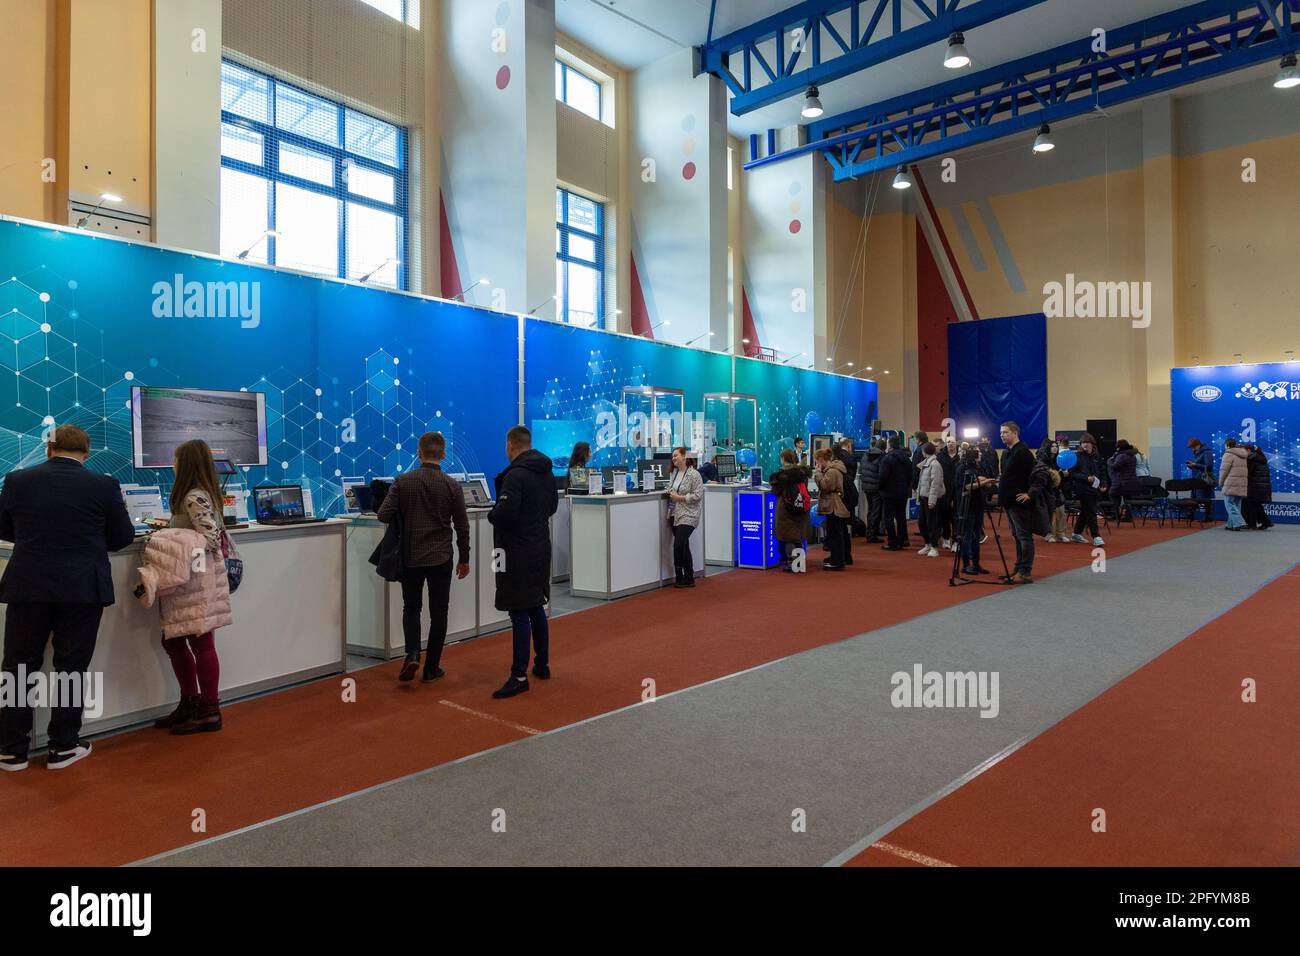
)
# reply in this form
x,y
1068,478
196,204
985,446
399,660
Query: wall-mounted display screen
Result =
x,y
232,423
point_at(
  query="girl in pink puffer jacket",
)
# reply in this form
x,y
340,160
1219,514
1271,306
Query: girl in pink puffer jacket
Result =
x,y
185,570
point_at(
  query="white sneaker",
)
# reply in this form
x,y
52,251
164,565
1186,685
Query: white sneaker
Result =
x,y
932,553
59,759
983,538
945,544
1078,539
1097,542
924,548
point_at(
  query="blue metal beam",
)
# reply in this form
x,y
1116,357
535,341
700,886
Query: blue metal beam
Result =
x,y
826,54
1206,39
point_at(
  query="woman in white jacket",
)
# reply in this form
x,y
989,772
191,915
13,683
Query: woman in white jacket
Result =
x,y
193,609
929,492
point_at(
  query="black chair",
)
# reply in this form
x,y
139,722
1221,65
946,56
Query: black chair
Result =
x,y
1186,507
1145,495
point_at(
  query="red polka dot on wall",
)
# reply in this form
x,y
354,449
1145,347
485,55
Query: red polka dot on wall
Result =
x,y
795,226
503,77
688,171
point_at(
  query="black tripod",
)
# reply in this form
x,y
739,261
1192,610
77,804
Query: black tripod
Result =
x,y
963,525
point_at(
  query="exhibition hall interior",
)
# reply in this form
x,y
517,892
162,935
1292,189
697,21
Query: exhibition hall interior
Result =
x,y
378,376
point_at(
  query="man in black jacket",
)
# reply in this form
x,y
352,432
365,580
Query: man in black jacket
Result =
x,y
1013,495
521,536
869,475
895,490
63,520
844,452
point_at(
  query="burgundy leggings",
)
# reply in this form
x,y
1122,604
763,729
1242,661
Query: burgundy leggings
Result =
x,y
194,659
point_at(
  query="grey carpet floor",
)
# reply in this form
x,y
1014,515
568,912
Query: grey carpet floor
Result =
x,y
714,775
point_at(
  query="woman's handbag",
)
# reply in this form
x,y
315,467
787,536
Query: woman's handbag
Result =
x,y
234,563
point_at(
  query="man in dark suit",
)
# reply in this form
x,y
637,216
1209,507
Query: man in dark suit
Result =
x,y
1016,501
63,520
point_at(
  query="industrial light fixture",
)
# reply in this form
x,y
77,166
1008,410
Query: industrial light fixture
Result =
x,y
812,106
845,365
1288,75
265,232
1043,141
1290,355
460,296
1237,356
793,357
698,337
103,198
902,178
956,57
366,278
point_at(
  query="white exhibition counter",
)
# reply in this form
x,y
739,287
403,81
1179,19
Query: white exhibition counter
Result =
x,y
374,627
622,544
720,523
289,613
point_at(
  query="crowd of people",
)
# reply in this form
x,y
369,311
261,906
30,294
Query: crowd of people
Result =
x,y
64,520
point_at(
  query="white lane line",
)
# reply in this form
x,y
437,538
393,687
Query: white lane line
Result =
x,y
496,720
911,855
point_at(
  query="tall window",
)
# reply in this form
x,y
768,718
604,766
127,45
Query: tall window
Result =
x,y
579,260
310,184
577,89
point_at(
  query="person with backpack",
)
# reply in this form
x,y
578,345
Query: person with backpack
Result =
x,y
869,478
830,503
794,510
431,504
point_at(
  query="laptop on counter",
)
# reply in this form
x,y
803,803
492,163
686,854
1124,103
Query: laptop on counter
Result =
x,y
281,505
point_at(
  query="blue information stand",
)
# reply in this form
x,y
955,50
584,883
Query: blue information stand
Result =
x,y
756,529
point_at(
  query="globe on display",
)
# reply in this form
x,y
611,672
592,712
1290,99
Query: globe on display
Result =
x,y
746,457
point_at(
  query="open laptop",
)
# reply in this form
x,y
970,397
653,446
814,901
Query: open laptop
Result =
x,y
281,505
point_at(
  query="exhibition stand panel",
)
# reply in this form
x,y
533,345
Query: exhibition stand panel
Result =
x,y
560,559
720,524
289,615
615,544
756,545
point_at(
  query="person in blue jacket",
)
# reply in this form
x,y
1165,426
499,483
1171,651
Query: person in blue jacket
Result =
x,y
1201,465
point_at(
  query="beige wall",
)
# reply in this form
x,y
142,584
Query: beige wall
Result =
x,y
28,106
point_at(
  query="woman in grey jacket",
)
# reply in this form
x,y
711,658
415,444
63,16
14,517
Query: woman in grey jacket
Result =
x,y
685,492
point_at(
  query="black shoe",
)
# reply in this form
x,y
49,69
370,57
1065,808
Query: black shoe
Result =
x,y
891,547
511,687
978,570
872,540
848,560
542,670
13,762
968,571
59,759
430,676
409,667
183,712
681,584
205,720
827,566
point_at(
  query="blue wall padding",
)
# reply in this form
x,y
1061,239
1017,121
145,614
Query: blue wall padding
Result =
x,y
997,371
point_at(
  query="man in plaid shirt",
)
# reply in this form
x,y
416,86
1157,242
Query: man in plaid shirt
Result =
x,y
431,504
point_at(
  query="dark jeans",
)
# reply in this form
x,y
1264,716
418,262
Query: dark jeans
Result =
x,y
895,514
28,627
873,516
1207,496
530,625
1087,516
947,508
837,530
414,580
929,522
1256,517
683,563
1021,520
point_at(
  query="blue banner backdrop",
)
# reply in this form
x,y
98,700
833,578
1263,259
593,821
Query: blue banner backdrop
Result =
x,y
997,372
1256,405
352,376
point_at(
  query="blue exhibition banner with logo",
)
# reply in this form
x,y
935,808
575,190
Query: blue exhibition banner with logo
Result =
x,y
756,545
351,376
1256,405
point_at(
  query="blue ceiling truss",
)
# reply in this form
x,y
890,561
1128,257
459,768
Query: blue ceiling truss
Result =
x,y
1151,56
874,33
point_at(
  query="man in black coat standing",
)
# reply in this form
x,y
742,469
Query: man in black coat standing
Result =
x,y
63,520
869,474
895,490
1013,495
521,536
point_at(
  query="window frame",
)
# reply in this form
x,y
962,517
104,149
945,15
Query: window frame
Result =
x,y
565,69
563,230
269,171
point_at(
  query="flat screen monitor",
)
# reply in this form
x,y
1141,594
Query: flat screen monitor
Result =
x,y
279,501
225,467
232,423
726,463
475,491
